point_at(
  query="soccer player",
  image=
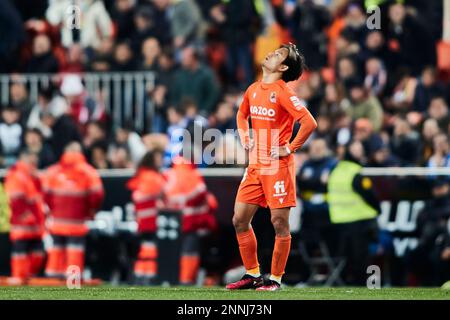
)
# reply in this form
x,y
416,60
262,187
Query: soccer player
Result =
x,y
269,180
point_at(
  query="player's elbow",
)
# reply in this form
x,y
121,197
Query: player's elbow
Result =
x,y
313,122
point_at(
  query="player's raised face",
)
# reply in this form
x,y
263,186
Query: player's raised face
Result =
x,y
274,60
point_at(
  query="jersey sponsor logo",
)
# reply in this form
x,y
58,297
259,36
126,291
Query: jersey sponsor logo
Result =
x,y
280,190
262,111
273,97
296,102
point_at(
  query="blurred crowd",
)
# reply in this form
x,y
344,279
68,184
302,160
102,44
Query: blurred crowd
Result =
x,y
380,86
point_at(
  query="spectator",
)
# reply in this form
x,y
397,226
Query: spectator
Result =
x,y
195,80
441,152
42,60
64,130
99,156
383,157
355,24
131,141
427,88
438,110
102,56
190,111
75,59
363,105
330,105
122,15
186,24
312,182
119,158
95,133
94,18
429,130
10,135
34,142
161,94
175,130
364,133
402,93
19,99
82,107
150,52
375,47
162,10
47,102
124,59
144,27
225,117
307,21
346,69
376,76
239,23
409,41
345,48
405,143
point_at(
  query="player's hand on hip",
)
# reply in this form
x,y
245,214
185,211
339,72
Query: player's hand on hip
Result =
x,y
249,145
278,152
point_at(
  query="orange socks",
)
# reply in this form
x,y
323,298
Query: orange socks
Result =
x,y
248,249
279,257
189,266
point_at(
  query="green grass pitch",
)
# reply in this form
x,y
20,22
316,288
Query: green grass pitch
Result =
x,y
216,293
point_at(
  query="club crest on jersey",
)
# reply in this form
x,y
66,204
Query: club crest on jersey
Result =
x,y
273,97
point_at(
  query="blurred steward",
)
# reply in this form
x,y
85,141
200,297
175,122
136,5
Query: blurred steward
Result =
x,y
73,191
27,216
186,191
147,193
354,208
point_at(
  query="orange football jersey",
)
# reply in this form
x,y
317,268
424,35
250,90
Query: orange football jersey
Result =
x,y
273,109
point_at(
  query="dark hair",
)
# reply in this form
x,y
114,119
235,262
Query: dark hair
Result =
x,y
295,62
46,91
186,103
35,131
148,160
102,145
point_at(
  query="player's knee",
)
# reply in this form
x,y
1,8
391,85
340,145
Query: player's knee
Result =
x,y
281,225
240,225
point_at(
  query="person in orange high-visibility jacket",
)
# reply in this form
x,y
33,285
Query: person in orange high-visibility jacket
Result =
x,y
186,191
73,191
147,190
27,217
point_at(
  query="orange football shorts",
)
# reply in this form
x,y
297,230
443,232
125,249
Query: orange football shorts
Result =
x,y
273,188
